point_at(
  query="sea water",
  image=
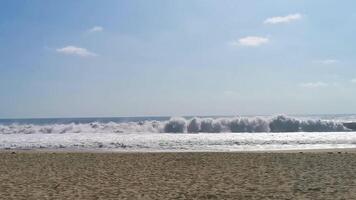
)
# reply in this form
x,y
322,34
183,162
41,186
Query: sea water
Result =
x,y
246,133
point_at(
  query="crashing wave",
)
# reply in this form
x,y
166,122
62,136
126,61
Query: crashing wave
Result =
x,y
279,123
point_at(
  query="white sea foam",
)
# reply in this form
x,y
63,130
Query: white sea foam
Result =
x,y
96,127
181,134
180,142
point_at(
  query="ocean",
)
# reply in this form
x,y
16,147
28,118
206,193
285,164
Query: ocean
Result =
x,y
151,134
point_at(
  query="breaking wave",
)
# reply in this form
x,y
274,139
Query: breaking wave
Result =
x,y
278,123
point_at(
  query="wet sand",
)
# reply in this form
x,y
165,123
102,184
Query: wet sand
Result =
x,y
79,175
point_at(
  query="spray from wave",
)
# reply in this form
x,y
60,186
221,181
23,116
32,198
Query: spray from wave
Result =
x,y
278,123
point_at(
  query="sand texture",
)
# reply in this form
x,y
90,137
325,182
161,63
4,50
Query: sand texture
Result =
x,y
60,175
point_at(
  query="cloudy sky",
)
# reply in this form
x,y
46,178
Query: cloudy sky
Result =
x,y
189,57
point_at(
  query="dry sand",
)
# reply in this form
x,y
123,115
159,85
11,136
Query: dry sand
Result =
x,y
64,175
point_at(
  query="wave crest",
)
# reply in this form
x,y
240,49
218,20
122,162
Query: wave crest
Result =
x,y
278,123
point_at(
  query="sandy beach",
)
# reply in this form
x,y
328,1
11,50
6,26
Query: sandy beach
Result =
x,y
80,175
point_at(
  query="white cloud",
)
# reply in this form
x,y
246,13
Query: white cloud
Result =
x,y
73,50
96,29
327,61
353,80
252,41
314,84
283,19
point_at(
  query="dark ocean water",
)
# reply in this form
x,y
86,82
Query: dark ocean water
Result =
x,y
84,120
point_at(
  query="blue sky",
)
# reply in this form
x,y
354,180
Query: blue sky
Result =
x,y
188,57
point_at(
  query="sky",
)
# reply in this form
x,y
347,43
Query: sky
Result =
x,y
89,58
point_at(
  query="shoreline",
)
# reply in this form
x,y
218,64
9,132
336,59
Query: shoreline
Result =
x,y
104,151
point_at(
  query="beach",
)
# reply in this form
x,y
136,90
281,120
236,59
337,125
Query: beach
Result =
x,y
199,175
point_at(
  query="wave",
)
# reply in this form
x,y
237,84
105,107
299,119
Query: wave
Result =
x,y
280,123
96,127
